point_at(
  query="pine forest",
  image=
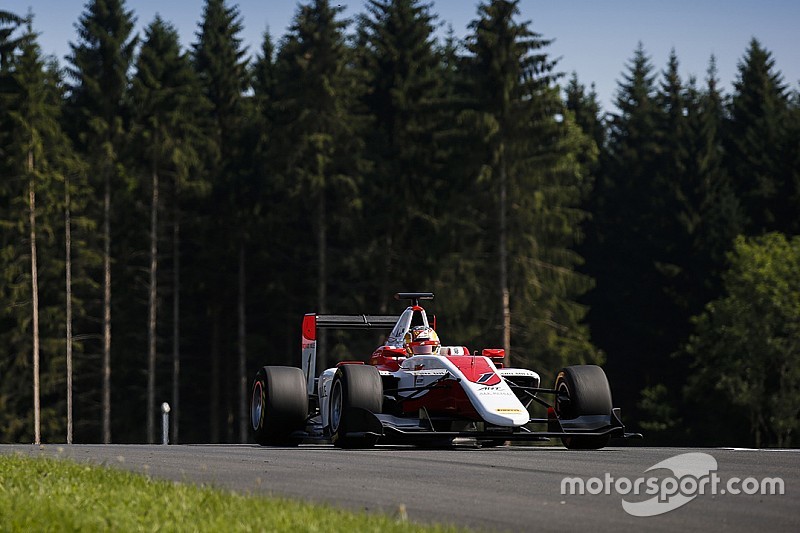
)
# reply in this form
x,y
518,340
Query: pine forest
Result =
x,y
169,211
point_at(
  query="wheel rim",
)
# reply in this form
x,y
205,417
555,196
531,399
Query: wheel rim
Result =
x,y
336,406
257,405
561,389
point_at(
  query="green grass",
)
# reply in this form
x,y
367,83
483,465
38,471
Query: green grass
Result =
x,y
40,494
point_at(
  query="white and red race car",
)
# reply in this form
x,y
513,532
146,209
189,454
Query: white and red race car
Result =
x,y
412,390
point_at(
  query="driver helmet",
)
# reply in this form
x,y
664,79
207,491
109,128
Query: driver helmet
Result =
x,y
421,340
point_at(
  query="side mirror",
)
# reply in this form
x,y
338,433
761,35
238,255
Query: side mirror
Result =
x,y
494,353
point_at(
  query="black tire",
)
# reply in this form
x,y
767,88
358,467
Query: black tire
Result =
x,y
278,405
354,388
587,392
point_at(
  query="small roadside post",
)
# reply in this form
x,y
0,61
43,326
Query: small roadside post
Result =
x,y
165,423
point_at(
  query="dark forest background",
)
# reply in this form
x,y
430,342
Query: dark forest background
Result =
x,y
169,211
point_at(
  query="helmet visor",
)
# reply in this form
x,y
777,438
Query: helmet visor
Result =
x,y
424,349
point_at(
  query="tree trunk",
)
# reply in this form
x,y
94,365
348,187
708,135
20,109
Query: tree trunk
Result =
x,y
107,310
214,383
152,312
322,277
176,317
503,245
229,382
243,418
385,284
68,275
35,302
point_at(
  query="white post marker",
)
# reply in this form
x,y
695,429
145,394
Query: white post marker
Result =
x,y
165,423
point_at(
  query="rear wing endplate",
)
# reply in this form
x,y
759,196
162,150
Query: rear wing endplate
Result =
x,y
313,322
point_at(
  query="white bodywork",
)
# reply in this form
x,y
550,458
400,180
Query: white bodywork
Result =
x,y
324,389
496,404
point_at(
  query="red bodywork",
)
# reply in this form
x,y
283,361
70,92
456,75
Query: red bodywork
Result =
x,y
388,358
449,397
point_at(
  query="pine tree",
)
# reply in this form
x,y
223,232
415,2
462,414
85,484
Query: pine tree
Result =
x,y
36,158
9,22
675,207
621,245
714,217
586,109
461,214
264,93
586,113
219,60
674,201
99,69
754,135
166,95
791,159
530,178
317,137
276,204
402,93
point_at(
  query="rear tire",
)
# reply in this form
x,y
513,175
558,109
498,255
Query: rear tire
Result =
x,y
354,388
278,405
585,391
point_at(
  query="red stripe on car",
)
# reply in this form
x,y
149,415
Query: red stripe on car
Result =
x,y
475,369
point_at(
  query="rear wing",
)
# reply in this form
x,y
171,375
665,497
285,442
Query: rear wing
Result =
x,y
313,322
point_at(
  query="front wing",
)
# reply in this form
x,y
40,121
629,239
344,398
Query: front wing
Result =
x,y
392,429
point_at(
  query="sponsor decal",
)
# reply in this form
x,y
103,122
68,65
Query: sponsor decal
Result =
x,y
485,377
495,390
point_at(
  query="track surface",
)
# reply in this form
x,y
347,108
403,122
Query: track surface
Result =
x,y
501,489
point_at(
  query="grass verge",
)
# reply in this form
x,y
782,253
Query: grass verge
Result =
x,y
41,494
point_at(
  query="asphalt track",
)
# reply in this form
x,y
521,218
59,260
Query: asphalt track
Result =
x,y
501,489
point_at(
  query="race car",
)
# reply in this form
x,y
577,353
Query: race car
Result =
x,y
414,390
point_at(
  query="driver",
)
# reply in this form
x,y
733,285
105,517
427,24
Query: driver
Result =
x,y
421,340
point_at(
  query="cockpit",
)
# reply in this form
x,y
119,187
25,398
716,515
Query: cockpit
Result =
x,y
411,317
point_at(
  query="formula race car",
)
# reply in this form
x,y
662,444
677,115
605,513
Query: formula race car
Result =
x,y
413,390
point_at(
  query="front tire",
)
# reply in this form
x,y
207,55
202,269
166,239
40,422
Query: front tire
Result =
x,y
356,393
278,405
583,390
